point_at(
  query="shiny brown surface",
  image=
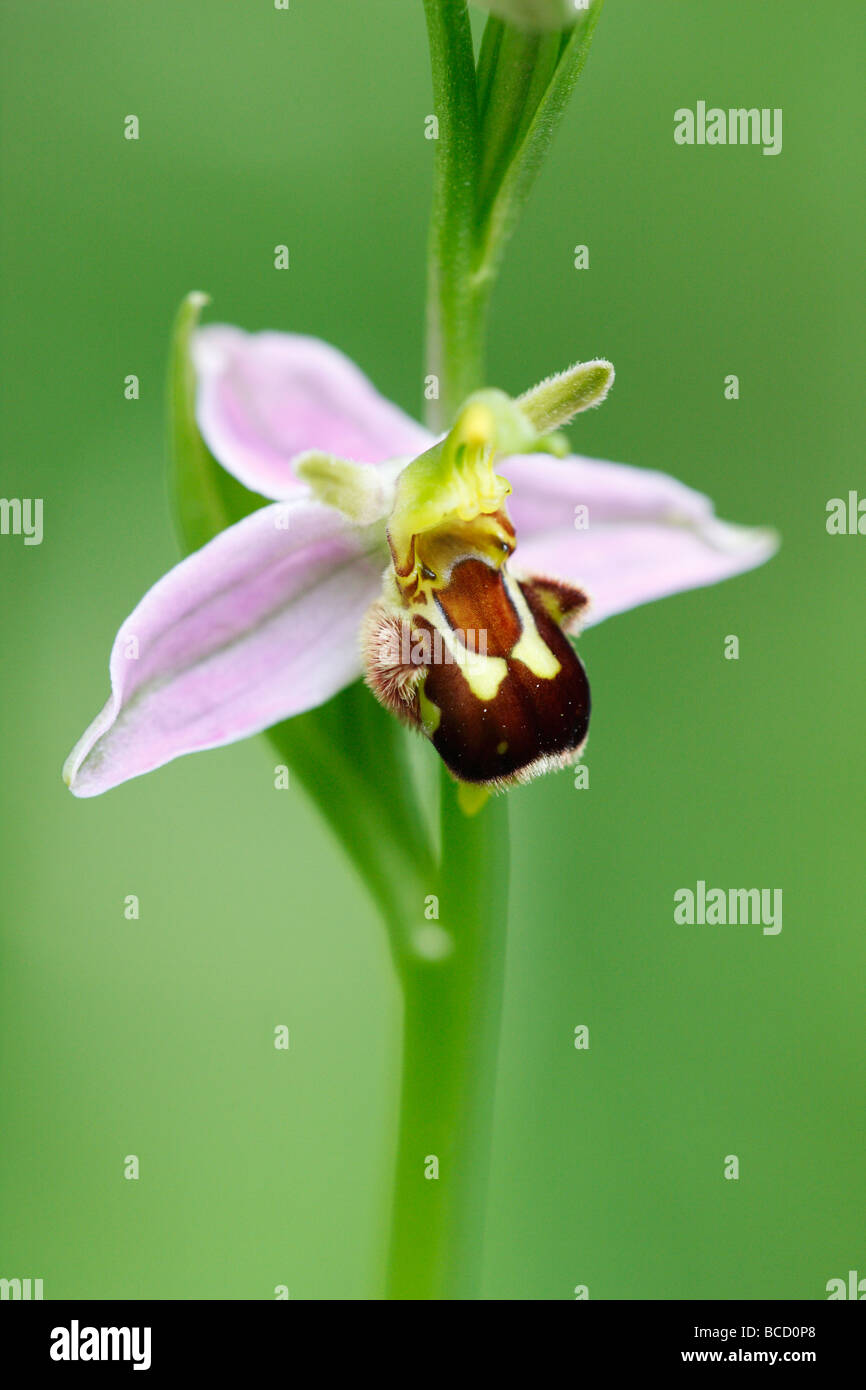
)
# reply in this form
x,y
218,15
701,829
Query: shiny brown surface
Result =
x,y
477,601
531,720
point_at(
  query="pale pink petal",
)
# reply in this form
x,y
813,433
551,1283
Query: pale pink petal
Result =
x,y
258,625
647,535
547,490
264,398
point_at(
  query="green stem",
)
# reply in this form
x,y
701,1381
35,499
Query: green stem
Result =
x,y
456,305
452,974
450,1045
452,981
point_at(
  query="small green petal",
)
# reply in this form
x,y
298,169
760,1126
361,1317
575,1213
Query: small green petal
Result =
x,y
555,401
360,491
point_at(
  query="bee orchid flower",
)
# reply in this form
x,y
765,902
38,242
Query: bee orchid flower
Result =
x,y
451,572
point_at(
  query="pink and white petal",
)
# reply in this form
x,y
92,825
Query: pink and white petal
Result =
x,y
260,624
620,567
547,490
264,398
647,535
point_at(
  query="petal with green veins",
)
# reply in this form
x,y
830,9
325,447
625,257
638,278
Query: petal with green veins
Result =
x,y
260,624
643,535
265,398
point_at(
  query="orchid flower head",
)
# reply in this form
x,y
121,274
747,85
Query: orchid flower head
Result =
x,y
449,572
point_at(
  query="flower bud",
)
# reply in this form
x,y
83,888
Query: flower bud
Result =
x,y
537,14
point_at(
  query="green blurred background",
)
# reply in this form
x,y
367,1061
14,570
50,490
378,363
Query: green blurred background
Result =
x,y
155,1037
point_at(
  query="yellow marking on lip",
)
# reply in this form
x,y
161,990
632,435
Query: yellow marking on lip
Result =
x,y
530,648
483,674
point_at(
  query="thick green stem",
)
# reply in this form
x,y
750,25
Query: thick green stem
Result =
x,y
452,975
456,305
452,980
453,1000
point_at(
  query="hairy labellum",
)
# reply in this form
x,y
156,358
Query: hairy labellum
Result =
x,y
478,660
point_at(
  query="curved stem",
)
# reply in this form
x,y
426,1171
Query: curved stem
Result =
x,y
453,1000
